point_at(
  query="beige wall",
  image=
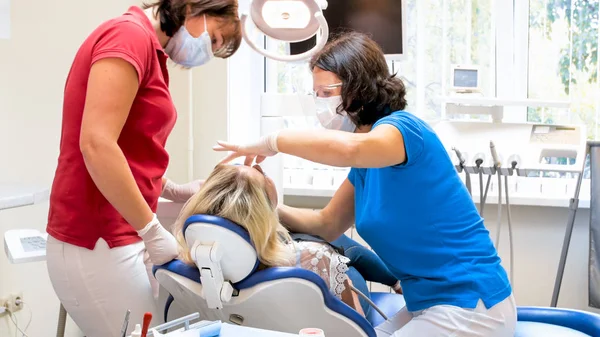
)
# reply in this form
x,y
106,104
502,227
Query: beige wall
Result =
x,y
33,66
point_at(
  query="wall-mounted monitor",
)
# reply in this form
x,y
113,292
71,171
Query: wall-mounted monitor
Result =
x,y
383,20
466,78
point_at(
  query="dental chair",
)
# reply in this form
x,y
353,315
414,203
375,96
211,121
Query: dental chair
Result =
x,y
225,285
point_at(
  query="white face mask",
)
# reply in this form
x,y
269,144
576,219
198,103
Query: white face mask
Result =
x,y
188,51
328,116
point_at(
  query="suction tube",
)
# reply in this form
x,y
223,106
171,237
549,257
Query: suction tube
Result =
x,y
514,160
510,236
461,163
479,160
359,293
497,165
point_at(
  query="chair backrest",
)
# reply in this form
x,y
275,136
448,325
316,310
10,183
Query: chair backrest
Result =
x,y
283,299
238,259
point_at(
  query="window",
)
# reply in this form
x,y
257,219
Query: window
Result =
x,y
459,36
439,34
563,61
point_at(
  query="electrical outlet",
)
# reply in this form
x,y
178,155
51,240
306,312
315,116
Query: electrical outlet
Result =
x,y
14,302
3,305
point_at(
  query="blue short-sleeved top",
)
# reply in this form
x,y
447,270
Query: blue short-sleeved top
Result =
x,y
420,219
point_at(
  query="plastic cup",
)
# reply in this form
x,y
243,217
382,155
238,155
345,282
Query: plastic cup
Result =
x,y
312,332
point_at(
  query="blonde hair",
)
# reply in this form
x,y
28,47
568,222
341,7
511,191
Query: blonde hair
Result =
x,y
234,194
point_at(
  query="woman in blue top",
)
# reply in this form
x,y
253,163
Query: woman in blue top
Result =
x,y
402,192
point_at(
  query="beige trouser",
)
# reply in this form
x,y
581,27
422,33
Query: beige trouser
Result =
x,y
450,321
98,286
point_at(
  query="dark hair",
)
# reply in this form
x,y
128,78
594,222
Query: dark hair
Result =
x,y
172,14
369,91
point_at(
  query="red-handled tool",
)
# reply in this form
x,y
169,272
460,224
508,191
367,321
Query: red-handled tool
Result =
x,y
146,323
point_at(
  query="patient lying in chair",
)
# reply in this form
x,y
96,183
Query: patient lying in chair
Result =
x,y
244,195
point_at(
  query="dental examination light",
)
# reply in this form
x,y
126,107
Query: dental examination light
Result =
x,y
287,21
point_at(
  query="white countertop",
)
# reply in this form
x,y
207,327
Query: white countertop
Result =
x,y
515,199
17,195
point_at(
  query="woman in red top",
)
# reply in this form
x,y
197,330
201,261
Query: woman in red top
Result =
x,y
117,115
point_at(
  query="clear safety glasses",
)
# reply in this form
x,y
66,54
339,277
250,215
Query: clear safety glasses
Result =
x,y
326,90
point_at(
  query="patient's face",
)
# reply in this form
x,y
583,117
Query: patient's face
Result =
x,y
256,172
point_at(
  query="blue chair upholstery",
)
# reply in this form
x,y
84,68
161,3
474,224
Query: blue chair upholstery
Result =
x,y
556,322
389,303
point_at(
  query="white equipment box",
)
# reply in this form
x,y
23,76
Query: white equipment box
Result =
x,y
534,147
25,245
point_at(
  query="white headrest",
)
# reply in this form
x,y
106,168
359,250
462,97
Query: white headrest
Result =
x,y
239,258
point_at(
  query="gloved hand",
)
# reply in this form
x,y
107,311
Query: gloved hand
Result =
x,y
260,149
180,192
160,244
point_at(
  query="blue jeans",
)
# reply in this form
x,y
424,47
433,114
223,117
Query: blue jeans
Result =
x,y
366,262
364,265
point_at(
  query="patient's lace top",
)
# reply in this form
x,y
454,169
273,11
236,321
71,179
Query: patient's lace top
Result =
x,y
323,260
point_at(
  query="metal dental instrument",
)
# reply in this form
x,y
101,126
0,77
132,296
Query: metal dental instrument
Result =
x,y
461,163
125,324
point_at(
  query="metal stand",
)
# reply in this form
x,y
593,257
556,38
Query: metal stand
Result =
x,y
573,205
62,321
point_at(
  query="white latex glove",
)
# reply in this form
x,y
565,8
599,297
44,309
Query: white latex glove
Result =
x,y
260,149
180,192
160,244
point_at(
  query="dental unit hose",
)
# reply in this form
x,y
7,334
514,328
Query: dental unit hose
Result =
x,y
510,238
359,293
497,167
482,193
461,163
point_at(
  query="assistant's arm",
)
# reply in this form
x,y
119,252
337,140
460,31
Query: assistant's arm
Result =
x,y
328,223
112,87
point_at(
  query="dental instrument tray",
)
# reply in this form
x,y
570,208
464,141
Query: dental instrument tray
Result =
x,y
209,329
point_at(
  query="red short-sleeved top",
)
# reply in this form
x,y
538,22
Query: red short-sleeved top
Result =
x,y
79,214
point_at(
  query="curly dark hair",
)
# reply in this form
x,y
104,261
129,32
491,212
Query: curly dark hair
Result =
x,y
172,14
369,91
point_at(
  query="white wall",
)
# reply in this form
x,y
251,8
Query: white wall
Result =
x,y
34,64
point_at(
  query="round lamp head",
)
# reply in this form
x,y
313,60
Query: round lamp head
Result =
x,y
286,20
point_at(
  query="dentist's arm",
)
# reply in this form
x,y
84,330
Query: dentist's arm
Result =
x,y
329,223
381,147
112,87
